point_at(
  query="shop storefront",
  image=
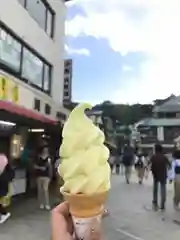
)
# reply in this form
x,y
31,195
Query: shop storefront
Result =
x,y
24,127
23,131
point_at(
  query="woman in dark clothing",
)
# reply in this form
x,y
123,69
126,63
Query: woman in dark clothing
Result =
x,y
117,164
6,176
44,172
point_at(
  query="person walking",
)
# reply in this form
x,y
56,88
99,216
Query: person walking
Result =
x,y
6,176
117,164
128,161
44,172
121,165
140,165
174,175
112,159
159,165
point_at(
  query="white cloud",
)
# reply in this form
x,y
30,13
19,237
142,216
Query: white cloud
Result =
x,y
81,51
127,68
150,26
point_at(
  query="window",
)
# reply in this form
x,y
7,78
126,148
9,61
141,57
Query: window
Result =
x,y
42,13
47,109
10,51
37,104
32,68
60,115
47,76
37,10
50,23
22,2
18,59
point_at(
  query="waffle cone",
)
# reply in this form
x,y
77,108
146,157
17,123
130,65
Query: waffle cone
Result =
x,y
85,206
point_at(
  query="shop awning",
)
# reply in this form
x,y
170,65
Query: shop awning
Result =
x,y
21,111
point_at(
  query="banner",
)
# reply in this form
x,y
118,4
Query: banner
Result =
x,y
3,88
15,94
9,90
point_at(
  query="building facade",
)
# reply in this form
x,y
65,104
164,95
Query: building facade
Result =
x,y
31,78
31,54
163,126
105,124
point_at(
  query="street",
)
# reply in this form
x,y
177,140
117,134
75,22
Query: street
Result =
x,y
130,216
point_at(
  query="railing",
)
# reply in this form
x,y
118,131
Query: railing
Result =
x,y
153,140
149,139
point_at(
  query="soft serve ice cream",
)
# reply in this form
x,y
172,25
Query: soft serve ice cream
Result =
x,y
84,167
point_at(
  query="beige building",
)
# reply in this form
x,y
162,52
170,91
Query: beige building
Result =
x,y
31,78
31,54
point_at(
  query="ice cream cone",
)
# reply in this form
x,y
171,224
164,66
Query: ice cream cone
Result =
x,y
86,206
84,210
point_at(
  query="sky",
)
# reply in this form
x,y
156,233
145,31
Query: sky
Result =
x,y
125,51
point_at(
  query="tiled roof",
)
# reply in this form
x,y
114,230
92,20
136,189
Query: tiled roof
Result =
x,y
172,105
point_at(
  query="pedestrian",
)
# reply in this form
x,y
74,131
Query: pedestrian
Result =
x,y
6,177
159,165
128,161
121,165
140,165
175,175
117,164
44,173
112,160
62,225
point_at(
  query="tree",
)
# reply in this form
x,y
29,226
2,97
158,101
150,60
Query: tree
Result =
x,y
123,113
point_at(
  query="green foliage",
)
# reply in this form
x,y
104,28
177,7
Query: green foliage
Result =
x,y
123,113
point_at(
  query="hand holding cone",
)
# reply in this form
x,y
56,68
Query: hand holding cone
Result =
x,y
95,231
86,173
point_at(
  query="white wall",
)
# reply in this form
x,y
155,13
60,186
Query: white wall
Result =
x,y
20,21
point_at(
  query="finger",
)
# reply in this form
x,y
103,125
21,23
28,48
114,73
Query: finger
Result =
x,y
57,217
63,209
61,220
70,226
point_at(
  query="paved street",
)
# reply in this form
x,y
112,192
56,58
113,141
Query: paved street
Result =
x,y
129,218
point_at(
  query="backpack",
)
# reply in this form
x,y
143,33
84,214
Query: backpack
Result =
x,y
139,163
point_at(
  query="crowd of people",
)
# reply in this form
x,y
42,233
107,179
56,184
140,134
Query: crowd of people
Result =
x,y
162,168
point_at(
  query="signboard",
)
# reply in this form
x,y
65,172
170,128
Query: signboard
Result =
x,y
9,90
